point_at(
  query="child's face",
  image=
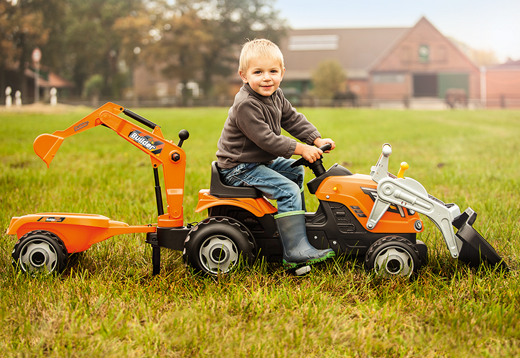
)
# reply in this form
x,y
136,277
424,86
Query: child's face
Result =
x,y
263,75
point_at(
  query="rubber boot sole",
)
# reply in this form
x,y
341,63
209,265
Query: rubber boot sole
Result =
x,y
292,265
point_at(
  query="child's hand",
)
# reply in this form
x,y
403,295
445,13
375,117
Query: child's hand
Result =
x,y
310,153
320,142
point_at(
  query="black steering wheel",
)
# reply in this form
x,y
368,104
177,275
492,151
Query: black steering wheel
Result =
x,y
302,161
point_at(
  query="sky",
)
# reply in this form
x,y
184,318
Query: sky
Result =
x,y
482,25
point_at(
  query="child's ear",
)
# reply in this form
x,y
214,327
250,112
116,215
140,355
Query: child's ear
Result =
x,y
244,78
283,73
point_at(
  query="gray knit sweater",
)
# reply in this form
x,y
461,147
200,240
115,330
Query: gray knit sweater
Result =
x,y
253,129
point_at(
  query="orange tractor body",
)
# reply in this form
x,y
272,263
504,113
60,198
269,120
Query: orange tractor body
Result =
x,y
356,215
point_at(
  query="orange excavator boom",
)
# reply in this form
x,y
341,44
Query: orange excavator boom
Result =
x,y
161,151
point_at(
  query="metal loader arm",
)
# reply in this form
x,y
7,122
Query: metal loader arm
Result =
x,y
161,151
410,194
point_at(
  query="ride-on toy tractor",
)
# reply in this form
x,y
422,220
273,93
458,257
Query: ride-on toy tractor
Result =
x,y
375,216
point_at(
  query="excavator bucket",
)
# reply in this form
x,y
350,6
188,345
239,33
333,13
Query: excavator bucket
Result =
x,y
475,249
46,146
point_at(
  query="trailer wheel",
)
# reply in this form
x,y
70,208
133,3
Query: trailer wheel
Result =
x,y
40,251
216,244
393,256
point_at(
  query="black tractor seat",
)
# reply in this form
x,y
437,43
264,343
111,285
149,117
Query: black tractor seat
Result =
x,y
221,190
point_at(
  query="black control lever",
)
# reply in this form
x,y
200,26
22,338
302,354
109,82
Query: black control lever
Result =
x,y
183,135
302,161
316,166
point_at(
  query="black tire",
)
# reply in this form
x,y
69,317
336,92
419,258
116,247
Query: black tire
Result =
x,y
75,257
216,245
40,252
393,256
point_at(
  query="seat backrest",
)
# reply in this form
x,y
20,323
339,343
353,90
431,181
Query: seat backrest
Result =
x,y
220,190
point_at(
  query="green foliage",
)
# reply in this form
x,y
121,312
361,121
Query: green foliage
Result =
x,y
107,304
328,79
24,25
93,86
202,40
190,40
98,39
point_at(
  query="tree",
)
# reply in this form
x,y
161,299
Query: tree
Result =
x,y
233,23
479,57
134,31
22,28
195,40
7,48
200,40
179,38
328,79
484,57
92,88
94,40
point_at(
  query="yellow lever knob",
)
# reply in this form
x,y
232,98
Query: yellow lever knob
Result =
x,y
404,166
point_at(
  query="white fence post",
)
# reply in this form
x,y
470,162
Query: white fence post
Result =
x,y
8,98
18,98
54,96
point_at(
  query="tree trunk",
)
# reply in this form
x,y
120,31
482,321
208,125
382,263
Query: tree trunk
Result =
x,y
2,85
21,70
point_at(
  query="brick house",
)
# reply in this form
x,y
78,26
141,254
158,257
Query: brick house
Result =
x,y
398,66
357,50
501,85
383,64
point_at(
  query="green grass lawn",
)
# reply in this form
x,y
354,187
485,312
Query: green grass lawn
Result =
x,y
107,304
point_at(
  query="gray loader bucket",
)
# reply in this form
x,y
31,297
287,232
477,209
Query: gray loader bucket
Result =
x,y
475,249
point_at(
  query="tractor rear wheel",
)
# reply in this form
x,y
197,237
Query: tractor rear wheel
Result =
x,y
393,256
216,245
40,252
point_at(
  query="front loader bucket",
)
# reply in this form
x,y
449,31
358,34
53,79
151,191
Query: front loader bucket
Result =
x,y
475,249
46,146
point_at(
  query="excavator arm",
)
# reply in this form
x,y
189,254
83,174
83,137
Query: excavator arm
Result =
x,y
161,151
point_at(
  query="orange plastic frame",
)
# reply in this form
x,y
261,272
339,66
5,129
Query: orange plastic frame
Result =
x,y
348,191
161,151
80,231
77,231
257,206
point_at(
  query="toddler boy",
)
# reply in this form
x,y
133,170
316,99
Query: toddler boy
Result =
x,y
253,152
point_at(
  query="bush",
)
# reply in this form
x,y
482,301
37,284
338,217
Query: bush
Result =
x,y
328,79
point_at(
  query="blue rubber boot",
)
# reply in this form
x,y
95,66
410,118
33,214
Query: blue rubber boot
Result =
x,y
297,251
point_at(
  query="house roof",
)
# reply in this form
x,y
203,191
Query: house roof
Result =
x,y
356,49
506,66
49,79
432,35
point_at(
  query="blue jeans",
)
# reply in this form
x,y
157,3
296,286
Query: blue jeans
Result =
x,y
276,180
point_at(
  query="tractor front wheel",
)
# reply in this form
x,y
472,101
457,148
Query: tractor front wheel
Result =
x,y
393,256
40,251
216,244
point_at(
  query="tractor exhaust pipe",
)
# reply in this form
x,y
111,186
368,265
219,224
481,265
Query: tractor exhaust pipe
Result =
x,y
475,249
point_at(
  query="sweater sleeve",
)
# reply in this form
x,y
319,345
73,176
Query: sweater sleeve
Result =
x,y
250,120
297,124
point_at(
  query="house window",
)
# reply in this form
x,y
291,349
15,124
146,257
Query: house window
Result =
x,y
316,42
424,53
388,78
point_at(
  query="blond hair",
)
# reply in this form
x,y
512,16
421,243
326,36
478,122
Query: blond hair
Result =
x,y
259,48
